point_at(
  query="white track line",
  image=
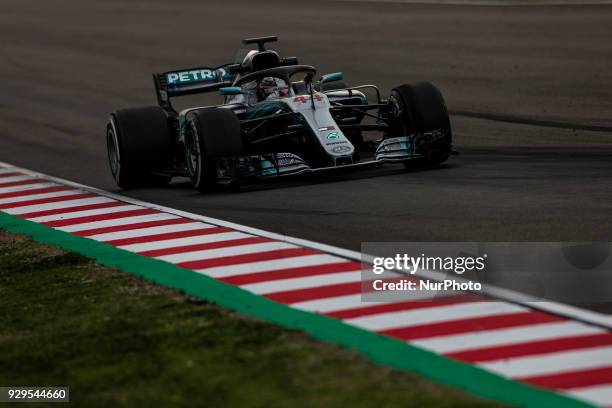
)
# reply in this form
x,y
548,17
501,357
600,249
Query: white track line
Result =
x,y
39,196
145,232
495,292
181,242
12,179
27,187
506,336
282,285
347,302
332,304
270,266
435,314
84,213
225,252
68,203
551,363
117,222
598,394
4,169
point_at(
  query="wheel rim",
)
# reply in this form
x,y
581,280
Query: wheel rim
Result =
x,y
193,154
397,115
113,152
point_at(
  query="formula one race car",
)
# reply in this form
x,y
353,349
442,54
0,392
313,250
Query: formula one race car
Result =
x,y
276,120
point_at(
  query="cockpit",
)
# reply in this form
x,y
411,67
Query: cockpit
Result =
x,y
267,88
273,83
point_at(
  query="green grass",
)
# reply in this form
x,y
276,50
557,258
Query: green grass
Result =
x,y
116,339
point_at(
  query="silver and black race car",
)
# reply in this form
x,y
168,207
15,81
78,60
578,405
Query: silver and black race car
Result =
x,y
276,120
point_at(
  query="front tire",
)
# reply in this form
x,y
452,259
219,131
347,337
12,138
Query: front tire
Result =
x,y
420,109
211,134
138,144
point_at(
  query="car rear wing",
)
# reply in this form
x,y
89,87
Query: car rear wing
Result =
x,y
190,81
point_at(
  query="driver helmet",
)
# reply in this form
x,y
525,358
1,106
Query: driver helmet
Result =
x,y
271,87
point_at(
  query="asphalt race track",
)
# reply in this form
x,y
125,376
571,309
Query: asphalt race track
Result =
x,y
530,89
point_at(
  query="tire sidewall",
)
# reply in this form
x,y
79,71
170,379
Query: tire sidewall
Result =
x,y
420,108
195,140
142,144
111,136
411,100
210,132
403,116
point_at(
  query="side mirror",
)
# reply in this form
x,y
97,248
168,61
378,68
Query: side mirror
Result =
x,y
230,90
336,76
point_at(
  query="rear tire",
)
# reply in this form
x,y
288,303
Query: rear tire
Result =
x,y
420,108
212,133
138,144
